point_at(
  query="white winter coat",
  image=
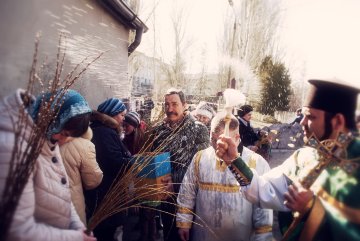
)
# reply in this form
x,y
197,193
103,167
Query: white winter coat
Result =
x,y
45,211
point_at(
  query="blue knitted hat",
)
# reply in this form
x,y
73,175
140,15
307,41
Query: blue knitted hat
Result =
x,y
72,104
111,107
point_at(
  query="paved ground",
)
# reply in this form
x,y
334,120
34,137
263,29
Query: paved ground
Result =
x,y
278,156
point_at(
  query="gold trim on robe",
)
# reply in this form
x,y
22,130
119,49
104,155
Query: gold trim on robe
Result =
x,y
218,187
183,225
220,165
313,222
185,210
197,164
263,229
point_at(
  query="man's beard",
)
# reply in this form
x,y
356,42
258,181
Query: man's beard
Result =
x,y
328,130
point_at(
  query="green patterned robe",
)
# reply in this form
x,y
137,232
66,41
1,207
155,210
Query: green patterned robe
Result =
x,y
336,213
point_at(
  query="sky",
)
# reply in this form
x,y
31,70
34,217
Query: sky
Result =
x,y
325,36
203,25
319,38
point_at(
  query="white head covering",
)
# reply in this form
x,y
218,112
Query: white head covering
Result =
x,y
205,109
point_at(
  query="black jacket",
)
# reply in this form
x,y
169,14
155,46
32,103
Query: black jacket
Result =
x,y
111,154
247,133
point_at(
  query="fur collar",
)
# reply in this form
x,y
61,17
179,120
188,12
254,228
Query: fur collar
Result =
x,y
105,120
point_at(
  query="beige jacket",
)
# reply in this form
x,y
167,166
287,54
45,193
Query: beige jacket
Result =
x,y
83,170
45,211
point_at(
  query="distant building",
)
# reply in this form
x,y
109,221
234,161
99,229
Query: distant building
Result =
x,y
147,78
142,73
202,84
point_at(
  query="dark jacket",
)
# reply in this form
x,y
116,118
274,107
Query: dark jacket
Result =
x,y
247,133
148,105
134,141
297,119
111,154
182,142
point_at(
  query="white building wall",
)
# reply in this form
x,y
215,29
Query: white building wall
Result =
x,y
90,29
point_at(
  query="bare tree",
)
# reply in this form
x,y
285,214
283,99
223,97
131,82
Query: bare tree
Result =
x,y
182,43
202,85
169,70
259,20
224,45
250,30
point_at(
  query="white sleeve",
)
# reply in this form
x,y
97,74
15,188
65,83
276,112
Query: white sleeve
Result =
x,y
267,191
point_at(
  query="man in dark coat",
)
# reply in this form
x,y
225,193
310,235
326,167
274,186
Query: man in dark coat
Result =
x,y
247,133
182,136
298,118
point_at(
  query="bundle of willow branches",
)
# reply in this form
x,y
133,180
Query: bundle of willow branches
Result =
x,y
29,137
126,190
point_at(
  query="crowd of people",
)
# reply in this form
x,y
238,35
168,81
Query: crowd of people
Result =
x,y
222,186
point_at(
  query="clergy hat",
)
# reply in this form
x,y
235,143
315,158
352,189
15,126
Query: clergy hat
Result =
x,y
332,95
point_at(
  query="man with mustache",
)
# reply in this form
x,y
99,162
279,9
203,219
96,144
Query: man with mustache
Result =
x,y
183,136
334,213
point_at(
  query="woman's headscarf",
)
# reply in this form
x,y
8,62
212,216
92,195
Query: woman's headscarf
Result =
x,y
71,104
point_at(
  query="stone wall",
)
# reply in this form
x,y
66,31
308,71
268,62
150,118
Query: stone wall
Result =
x,y
284,116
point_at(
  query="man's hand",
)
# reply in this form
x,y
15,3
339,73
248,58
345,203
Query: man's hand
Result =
x,y
226,149
298,198
87,237
184,234
253,148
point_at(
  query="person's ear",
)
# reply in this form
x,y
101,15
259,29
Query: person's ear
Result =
x,y
237,138
338,122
